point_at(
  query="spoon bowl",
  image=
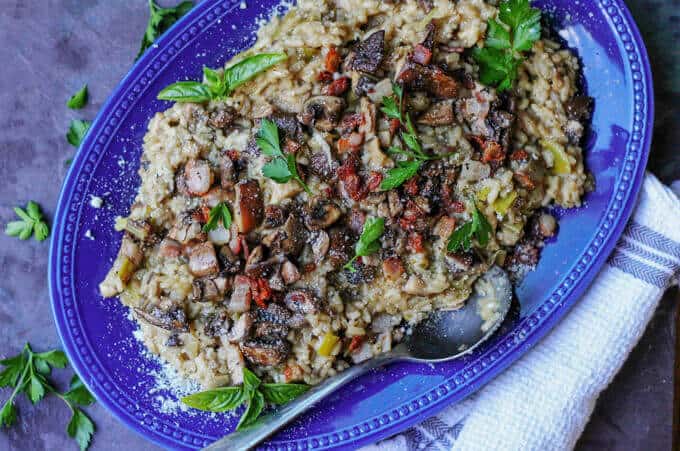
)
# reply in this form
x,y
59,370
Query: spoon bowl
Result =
x,y
443,335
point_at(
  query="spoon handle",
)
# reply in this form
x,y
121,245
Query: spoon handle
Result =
x,y
272,422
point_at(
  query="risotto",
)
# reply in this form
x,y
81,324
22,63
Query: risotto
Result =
x,y
304,221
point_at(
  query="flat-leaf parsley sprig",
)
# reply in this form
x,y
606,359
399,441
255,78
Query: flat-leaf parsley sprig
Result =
x,y
160,19
519,27
368,241
219,86
478,227
253,393
27,372
415,157
31,223
282,167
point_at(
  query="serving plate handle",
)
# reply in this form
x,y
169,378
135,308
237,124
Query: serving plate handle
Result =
x,y
268,424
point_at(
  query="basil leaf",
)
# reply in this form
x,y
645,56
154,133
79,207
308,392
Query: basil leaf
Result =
x,y
217,213
248,68
250,381
282,393
460,239
397,176
481,227
215,82
77,131
372,231
186,91
78,100
253,410
217,400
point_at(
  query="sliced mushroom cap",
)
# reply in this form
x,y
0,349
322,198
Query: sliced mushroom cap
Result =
x,y
209,289
294,235
432,79
173,319
230,262
185,229
266,352
249,206
323,112
342,246
368,55
441,113
202,259
302,301
198,177
241,328
216,323
322,214
321,242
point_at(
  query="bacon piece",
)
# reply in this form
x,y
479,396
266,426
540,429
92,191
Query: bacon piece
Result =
x,y
374,180
333,60
325,76
337,87
422,55
355,343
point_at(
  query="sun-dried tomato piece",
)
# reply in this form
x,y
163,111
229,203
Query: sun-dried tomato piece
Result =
x,y
411,186
337,87
325,76
233,154
519,155
355,343
374,180
333,60
416,242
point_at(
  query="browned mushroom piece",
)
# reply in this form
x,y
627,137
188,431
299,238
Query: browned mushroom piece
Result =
x,y
267,329
216,323
241,328
222,117
321,242
368,54
459,263
321,166
198,177
302,301
241,295
321,214
231,264
186,228
274,216
249,206
342,246
323,112
266,351
227,172
130,248
173,318
432,79
294,235
202,259
209,289
288,125
441,113
170,248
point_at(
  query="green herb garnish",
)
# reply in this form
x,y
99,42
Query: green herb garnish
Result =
x,y
478,227
281,168
27,372
518,29
78,100
368,241
218,86
219,212
252,392
77,131
160,19
31,223
414,152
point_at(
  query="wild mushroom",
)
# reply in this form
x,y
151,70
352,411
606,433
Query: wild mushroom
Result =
x,y
432,79
209,289
198,177
323,112
173,318
321,214
368,54
441,113
241,328
320,245
302,301
289,272
266,351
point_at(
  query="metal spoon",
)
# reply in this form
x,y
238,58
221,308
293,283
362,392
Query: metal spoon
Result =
x,y
444,335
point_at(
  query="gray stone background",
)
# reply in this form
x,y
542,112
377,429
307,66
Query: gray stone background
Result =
x,y
49,48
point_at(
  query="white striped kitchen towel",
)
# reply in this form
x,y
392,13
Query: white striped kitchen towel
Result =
x,y
543,401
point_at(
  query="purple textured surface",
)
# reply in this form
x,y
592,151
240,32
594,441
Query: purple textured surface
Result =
x,y
33,167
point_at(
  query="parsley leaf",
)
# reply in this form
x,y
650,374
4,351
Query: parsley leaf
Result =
x,y
518,29
78,100
80,428
27,372
252,392
399,174
31,223
478,228
219,212
77,131
218,86
281,168
160,19
368,240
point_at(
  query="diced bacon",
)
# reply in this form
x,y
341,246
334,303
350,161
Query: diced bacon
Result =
x,y
422,55
411,186
333,60
325,76
337,87
241,295
416,242
374,180
355,343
